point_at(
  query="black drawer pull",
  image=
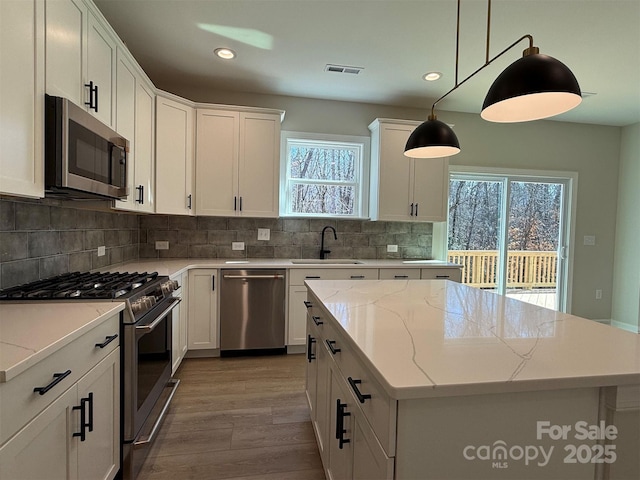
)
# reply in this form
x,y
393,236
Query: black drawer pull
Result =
x,y
307,304
340,430
357,277
83,417
401,276
311,277
107,341
317,320
57,378
330,344
442,276
310,354
354,385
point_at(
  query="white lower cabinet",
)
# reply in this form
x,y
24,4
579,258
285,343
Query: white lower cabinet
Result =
x,y
203,309
50,446
179,318
453,274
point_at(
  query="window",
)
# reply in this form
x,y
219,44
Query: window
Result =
x,y
324,176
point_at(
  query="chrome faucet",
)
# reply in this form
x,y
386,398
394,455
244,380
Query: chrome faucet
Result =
x,y
323,252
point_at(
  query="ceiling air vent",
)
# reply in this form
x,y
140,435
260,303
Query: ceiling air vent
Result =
x,y
343,69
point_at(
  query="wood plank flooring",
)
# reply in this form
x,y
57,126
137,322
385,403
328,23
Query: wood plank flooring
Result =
x,y
243,418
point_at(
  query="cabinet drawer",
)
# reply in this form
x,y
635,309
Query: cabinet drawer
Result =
x,y
454,274
399,274
20,403
298,276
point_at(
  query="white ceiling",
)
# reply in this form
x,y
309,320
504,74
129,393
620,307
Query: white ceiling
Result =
x,y
284,45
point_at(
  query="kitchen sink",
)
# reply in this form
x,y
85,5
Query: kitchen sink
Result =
x,y
327,261
237,261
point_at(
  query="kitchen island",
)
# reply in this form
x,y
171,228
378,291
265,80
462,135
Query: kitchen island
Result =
x,y
434,379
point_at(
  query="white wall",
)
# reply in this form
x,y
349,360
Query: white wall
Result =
x,y
591,150
626,275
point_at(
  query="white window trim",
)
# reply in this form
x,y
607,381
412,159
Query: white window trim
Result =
x,y
362,194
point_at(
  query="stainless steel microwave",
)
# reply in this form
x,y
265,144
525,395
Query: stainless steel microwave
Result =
x,y
84,159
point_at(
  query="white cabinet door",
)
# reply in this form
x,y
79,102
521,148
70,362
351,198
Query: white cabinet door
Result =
x,y
394,190
203,309
430,189
126,82
144,193
217,163
339,446
21,97
44,447
179,319
66,22
453,274
101,62
323,400
369,458
99,453
259,170
297,315
174,157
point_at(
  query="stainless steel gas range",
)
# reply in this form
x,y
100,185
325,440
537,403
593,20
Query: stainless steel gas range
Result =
x,y
145,330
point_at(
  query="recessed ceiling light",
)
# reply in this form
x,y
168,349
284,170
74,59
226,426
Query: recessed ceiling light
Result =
x,y
225,53
431,76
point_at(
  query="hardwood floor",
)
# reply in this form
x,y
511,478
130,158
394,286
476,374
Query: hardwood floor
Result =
x,y
243,418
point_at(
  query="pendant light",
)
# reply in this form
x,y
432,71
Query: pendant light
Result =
x,y
534,87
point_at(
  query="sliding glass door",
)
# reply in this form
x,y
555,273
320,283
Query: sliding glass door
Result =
x,y
510,233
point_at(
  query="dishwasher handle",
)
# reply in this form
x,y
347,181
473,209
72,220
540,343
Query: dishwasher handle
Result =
x,y
252,277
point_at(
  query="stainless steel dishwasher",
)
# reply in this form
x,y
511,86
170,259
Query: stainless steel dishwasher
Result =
x,y
252,311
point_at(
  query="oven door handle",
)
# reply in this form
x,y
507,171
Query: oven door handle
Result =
x,y
143,329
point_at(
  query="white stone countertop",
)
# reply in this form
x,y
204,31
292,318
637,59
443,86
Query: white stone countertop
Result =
x,y
434,338
175,266
29,332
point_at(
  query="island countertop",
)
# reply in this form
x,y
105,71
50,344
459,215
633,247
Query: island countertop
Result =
x,y
434,338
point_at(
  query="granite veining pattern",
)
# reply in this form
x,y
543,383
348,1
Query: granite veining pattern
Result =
x,y
30,332
435,338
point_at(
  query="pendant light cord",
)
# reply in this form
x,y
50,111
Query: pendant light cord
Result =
x,y
488,61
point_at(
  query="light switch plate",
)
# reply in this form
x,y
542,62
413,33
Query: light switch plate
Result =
x,y
162,245
264,234
237,245
590,240
102,251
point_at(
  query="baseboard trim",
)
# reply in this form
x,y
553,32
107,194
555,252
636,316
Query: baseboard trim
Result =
x,y
625,326
606,321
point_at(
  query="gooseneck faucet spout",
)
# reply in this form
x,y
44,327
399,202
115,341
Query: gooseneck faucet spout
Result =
x,y
323,252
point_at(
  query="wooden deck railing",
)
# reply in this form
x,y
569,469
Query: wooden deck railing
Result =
x,y
524,269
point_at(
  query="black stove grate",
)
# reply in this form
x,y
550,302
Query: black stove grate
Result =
x,y
80,285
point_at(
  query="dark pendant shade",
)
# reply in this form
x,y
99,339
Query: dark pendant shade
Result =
x,y
432,139
534,87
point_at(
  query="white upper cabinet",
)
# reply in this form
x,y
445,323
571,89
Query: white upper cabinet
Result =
x,y
80,58
402,188
174,156
237,162
22,97
144,155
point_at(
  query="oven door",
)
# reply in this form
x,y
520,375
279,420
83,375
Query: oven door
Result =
x,y
146,365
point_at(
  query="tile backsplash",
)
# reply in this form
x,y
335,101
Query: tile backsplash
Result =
x,y
211,237
41,238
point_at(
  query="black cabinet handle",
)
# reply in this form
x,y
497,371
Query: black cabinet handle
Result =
x,y
401,276
442,276
140,189
317,320
57,378
84,424
107,341
340,430
213,282
307,304
235,203
311,277
416,209
93,96
330,344
411,213
357,277
310,342
354,385
189,201
240,203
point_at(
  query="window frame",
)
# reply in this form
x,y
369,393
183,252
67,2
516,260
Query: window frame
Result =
x,y
361,143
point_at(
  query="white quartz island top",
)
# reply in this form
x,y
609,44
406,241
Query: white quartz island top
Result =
x,y
32,331
433,338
